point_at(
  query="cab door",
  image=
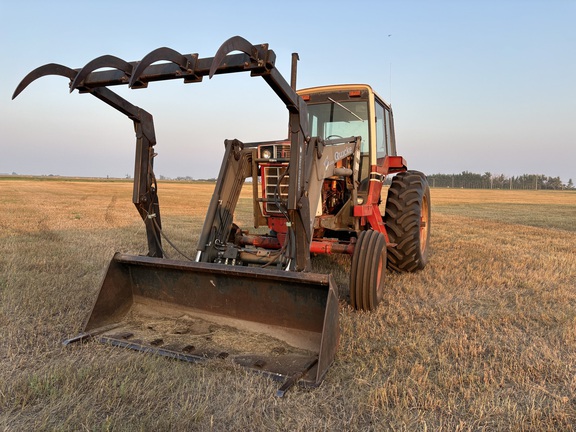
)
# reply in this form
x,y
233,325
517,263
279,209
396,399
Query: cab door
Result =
x,y
385,143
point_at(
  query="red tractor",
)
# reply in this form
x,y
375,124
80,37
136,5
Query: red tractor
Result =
x,y
317,192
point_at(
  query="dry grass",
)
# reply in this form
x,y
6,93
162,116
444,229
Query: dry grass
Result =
x,y
483,339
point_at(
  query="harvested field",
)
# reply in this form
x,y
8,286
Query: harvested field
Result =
x,y
483,339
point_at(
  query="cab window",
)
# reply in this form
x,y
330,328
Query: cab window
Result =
x,y
340,120
382,131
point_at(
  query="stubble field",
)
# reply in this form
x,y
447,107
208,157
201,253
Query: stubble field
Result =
x,y
483,339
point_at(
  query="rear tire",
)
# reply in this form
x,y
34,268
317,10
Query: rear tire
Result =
x,y
407,220
367,275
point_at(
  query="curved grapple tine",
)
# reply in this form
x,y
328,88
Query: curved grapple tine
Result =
x,y
159,54
235,43
100,62
47,69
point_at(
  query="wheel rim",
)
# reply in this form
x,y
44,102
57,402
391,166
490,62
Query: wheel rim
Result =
x,y
424,224
377,270
379,277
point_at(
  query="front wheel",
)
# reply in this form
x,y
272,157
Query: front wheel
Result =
x,y
368,270
407,220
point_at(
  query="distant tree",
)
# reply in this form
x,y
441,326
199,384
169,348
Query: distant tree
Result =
x,y
553,183
487,180
499,181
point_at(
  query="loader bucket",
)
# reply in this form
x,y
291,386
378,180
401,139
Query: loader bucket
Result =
x,y
282,324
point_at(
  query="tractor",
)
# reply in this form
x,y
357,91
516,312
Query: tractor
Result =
x,y
316,192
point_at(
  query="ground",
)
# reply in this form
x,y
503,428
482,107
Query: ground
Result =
x,y
484,338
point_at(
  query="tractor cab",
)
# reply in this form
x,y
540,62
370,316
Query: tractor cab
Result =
x,y
353,110
335,113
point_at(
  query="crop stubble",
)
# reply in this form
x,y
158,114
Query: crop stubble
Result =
x,y
483,338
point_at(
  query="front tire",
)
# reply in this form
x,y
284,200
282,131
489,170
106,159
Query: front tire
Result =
x,y
367,275
407,219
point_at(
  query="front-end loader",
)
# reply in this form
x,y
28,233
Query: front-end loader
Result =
x,y
252,297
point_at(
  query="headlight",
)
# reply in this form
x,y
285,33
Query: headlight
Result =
x,y
266,154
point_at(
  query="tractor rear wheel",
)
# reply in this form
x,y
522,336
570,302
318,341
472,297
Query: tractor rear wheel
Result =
x,y
407,220
368,270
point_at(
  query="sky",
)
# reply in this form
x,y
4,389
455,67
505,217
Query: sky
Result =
x,y
479,86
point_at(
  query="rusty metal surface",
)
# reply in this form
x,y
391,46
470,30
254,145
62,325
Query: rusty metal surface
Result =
x,y
271,321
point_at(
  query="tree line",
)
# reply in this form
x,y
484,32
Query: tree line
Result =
x,y
469,180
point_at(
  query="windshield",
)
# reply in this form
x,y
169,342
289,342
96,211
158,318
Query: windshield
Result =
x,y
340,120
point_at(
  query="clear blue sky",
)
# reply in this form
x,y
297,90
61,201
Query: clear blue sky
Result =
x,y
475,85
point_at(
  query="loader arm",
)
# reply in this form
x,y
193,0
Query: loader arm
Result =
x,y
144,195
259,60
